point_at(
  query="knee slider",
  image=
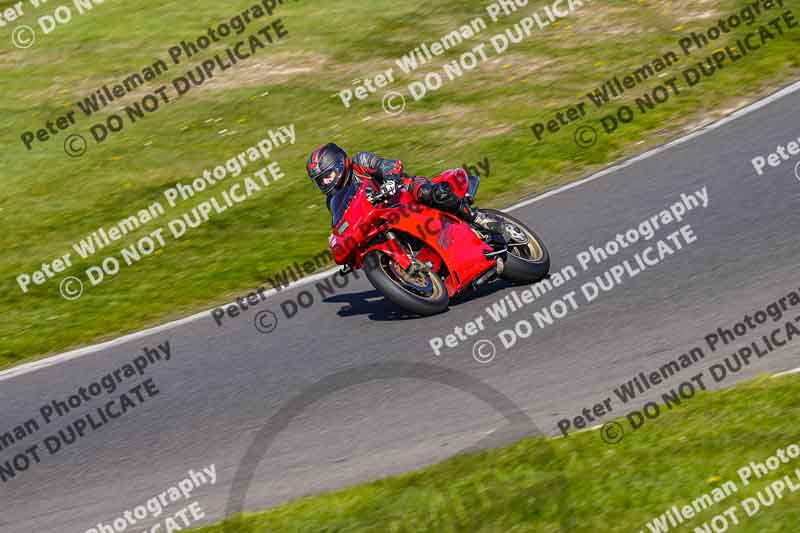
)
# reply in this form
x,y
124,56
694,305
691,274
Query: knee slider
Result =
x,y
444,196
424,193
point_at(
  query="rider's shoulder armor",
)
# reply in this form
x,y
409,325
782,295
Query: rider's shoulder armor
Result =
x,y
373,166
366,163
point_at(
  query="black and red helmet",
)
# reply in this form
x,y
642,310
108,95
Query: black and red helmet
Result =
x,y
329,167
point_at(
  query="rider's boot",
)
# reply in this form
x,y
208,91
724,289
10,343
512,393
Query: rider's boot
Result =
x,y
441,196
489,222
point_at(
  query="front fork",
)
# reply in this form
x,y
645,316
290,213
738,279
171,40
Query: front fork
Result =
x,y
391,247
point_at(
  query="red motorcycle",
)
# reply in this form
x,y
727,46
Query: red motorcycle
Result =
x,y
419,257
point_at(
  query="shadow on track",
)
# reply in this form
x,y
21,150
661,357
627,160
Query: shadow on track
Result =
x,y
373,304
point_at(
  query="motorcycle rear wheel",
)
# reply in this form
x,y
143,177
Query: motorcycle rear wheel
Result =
x,y
528,263
422,293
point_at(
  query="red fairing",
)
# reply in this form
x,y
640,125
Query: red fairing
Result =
x,y
457,178
341,248
451,246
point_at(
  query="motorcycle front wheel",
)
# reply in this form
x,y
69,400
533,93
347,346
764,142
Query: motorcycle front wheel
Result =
x,y
422,292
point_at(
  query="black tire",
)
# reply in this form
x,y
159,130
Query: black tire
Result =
x,y
524,265
379,272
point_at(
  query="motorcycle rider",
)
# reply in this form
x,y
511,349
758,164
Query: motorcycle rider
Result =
x,y
331,170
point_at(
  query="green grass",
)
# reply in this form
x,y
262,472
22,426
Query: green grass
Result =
x,y
49,201
580,482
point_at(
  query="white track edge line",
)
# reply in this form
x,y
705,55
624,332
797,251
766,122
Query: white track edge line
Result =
x,y
786,373
657,150
72,354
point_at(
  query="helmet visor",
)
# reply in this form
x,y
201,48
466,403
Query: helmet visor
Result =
x,y
331,176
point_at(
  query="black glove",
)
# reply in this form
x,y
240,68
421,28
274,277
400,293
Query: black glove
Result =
x,y
389,188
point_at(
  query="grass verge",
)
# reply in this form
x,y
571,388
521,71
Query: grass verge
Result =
x,y
579,482
49,201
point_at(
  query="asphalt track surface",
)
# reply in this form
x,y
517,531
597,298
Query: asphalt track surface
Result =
x,y
223,383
